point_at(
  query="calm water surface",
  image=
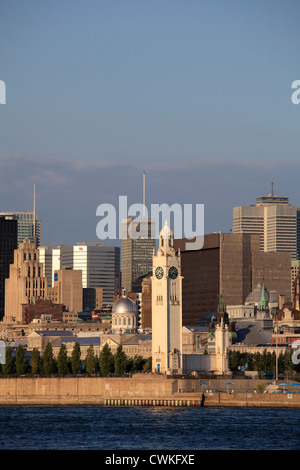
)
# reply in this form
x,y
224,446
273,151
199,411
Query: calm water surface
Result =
x,y
143,428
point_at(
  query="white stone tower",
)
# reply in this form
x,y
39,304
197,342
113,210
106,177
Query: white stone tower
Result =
x,y
221,366
166,306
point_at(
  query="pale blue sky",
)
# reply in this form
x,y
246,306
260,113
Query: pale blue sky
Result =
x,y
196,92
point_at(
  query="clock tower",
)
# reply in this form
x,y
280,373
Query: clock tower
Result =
x,y
166,306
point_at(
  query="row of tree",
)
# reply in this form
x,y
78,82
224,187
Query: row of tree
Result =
x,y
119,363
46,365
263,362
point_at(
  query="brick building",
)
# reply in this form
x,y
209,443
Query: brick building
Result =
x,y
42,308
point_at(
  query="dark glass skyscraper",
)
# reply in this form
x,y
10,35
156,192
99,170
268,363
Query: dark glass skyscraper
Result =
x,y
138,245
8,243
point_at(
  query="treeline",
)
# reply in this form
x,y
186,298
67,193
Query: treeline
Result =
x,y
106,364
263,362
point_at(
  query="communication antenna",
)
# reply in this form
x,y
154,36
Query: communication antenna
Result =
x,y
144,193
272,189
34,218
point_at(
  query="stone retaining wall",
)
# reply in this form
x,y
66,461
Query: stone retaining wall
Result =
x,y
136,391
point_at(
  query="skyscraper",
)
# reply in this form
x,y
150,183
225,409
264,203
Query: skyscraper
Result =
x,y
55,258
137,248
100,265
8,243
29,227
138,244
26,282
231,265
275,220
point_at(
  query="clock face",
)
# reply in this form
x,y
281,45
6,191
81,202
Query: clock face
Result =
x,y
159,272
173,273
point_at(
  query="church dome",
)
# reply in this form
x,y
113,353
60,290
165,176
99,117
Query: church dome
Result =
x,y
125,305
255,296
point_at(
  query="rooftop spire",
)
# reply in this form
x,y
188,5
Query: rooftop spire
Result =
x,y
263,304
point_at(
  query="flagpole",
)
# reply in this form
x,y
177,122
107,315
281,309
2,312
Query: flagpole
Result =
x,y
276,339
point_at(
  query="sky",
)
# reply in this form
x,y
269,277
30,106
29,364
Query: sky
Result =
x,y
196,93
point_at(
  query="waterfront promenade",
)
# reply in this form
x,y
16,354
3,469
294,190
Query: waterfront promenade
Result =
x,y
145,390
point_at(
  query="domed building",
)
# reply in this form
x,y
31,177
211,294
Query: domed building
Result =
x,y
261,298
255,296
124,316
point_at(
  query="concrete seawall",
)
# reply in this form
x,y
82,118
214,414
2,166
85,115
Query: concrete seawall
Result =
x,y
136,391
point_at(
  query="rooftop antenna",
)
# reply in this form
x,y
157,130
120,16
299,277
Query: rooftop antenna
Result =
x,y
272,189
144,193
34,217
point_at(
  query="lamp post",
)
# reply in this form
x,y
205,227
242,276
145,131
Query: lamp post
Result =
x,y
276,341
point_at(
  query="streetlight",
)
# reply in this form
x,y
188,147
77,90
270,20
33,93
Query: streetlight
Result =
x,y
276,341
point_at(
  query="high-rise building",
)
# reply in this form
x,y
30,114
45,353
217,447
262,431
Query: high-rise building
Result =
x,y
99,264
295,270
8,243
29,227
67,289
55,258
26,282
92,298
231,265
138,245
275,220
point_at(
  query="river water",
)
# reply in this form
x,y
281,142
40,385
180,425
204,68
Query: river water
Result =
x,y
148,428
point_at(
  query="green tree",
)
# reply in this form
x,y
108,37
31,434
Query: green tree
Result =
x,y
90,360
35,361
130,364
120,361
148,365
9,366
20,361
48,360
106,361
62,361
76,359
234,359
139,362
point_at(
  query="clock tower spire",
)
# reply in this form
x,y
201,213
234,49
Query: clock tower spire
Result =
x,y
166,306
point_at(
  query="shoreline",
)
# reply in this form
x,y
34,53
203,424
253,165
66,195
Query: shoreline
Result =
x,y
150,391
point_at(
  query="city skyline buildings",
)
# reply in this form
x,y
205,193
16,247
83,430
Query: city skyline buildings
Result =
x,y
29,227
26,283
274,219
8,243
137,248
99,264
